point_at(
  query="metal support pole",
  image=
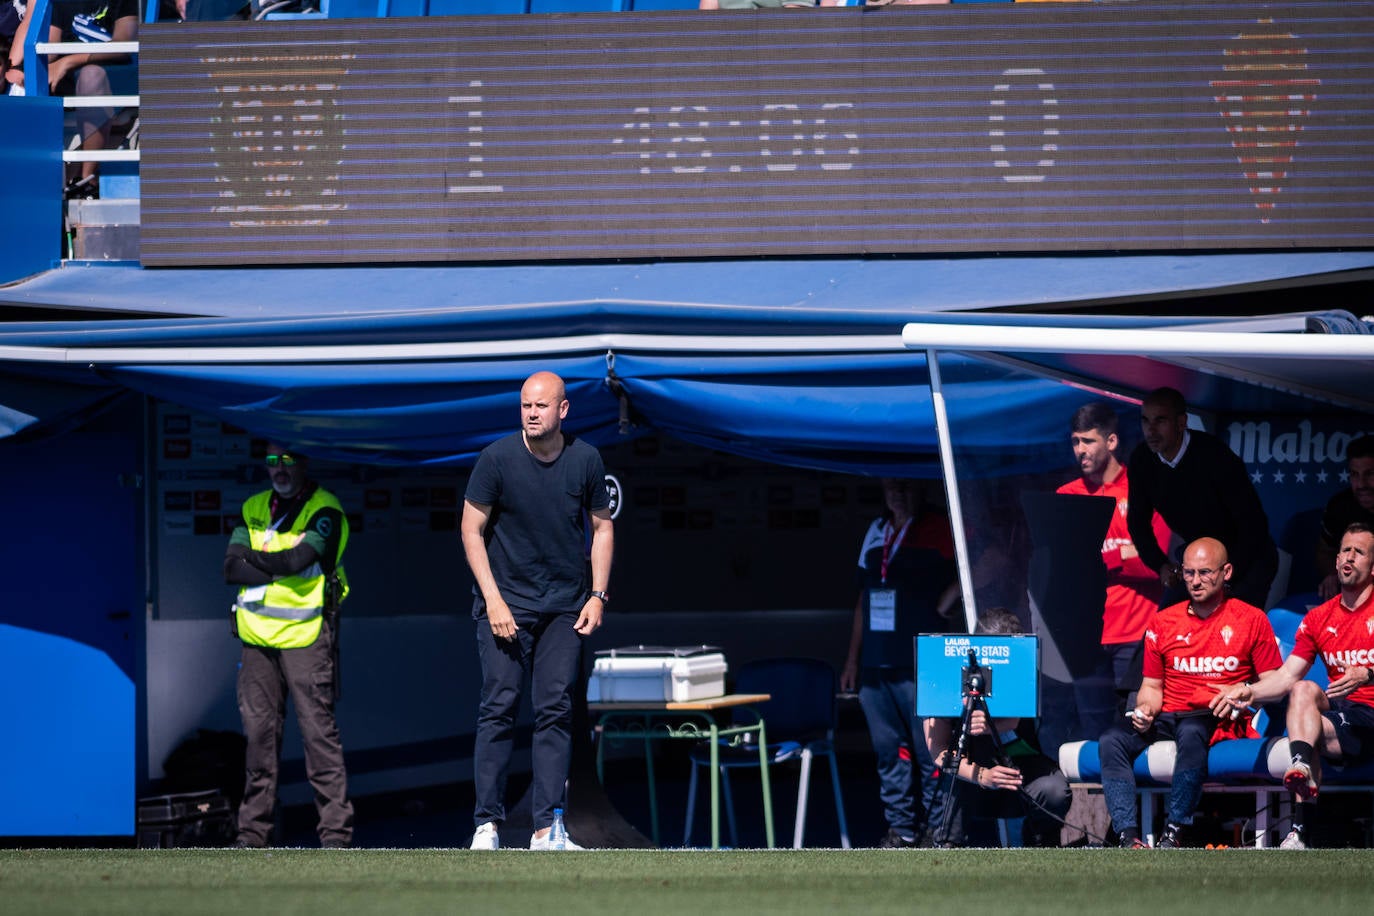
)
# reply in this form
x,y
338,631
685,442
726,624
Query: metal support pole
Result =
x,y
956,511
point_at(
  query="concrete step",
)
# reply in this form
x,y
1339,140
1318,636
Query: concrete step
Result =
x,y
104,230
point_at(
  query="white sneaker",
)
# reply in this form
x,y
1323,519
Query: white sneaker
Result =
x,y
486,837
542,843
1293,841
1299,780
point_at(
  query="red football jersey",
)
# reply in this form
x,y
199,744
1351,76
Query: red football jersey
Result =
x,y
1133,588
1234,644
1341,638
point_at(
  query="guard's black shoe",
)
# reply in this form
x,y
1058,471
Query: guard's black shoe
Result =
x,y
1171,838
1133,842
895,840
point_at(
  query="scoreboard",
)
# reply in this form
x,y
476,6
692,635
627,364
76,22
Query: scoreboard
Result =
x,y
919,130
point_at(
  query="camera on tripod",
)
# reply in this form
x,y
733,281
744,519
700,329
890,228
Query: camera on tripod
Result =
x,y
976,679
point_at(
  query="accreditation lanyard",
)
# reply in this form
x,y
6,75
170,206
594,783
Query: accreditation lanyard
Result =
x,y
891,541
290,508
882,602
271,532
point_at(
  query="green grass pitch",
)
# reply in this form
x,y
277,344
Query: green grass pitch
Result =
x,y
967,882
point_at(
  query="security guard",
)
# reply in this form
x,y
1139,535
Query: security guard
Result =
x,y
285,556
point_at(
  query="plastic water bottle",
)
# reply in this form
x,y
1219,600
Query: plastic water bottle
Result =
x,y
558,833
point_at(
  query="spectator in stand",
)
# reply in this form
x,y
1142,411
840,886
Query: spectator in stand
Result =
x,y
1193,650
803,4
1336,723
1355,504
11,15
755,4
882,2
202,10
1202,489
82,74
14,49
1133,589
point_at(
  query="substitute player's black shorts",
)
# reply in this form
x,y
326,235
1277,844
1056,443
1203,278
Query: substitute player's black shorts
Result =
x,y
1354,725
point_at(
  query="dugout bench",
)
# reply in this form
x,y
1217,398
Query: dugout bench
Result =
x,y
1253,766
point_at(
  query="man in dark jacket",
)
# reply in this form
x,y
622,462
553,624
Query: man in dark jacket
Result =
x,y
1202,489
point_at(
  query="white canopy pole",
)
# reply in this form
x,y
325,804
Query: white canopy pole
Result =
x,y
455,349
1016,338
956,512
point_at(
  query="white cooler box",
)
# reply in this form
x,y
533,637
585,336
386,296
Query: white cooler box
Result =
x,y
656,674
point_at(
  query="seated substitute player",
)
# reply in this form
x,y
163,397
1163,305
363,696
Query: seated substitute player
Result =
x,y
1338,722
1193,650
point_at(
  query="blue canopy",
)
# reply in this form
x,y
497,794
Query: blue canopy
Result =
x,y
857,412
849,289
819,389
795,362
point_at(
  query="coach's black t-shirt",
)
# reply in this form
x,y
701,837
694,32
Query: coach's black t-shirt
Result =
x,y
536,535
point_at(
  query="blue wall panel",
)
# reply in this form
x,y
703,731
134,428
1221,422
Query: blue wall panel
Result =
x,y
30,184
71,624
68,765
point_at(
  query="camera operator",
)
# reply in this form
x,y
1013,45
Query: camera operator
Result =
x,y
1002,772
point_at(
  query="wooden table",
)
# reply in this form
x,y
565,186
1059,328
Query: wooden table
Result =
x,y
695,720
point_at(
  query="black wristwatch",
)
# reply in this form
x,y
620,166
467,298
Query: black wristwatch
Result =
x,y
605,598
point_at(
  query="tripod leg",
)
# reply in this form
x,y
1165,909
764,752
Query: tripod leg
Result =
x,y
942,836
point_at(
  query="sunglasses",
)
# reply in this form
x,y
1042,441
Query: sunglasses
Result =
x,y
285,460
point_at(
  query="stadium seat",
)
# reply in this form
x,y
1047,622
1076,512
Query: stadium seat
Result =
x,y
1235,760
1285,618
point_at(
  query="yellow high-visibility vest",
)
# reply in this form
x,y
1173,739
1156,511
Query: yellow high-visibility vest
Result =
x,y
288,612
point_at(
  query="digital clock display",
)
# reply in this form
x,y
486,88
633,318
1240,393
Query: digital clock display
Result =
x,y
917,130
